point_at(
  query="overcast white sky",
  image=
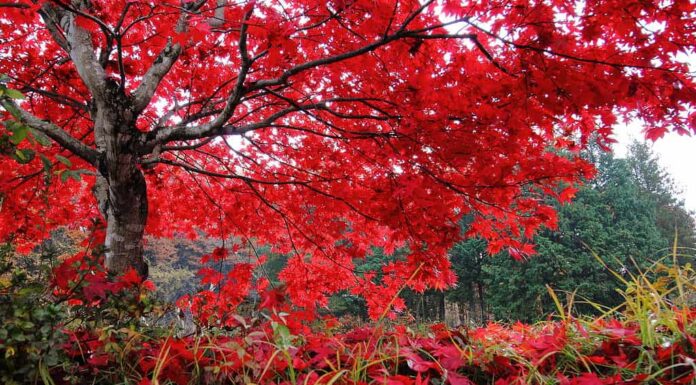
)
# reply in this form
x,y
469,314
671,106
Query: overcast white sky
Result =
x,y
677,155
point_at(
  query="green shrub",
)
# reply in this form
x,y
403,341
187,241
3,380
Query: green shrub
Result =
x,y
31,335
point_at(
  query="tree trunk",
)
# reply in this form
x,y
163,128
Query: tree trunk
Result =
x,y
126,214
482,302
441,306
121,188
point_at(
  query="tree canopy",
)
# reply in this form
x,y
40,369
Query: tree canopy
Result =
x,y
324,128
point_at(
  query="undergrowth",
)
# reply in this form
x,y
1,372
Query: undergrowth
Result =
x,y
90,328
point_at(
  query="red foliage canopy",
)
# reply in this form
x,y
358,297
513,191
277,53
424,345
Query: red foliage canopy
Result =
x,y
323,128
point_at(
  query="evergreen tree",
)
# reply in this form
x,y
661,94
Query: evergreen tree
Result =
x,y
612,216
672,217
468,259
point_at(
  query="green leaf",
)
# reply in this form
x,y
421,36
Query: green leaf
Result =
x,y
75,175
64,175
282,335
72,174
46,162
64,160
24,156
52,360
14,111
14,94
12,125
40,137
19,134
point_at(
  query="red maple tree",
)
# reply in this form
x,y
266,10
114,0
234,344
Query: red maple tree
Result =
x,y
324,127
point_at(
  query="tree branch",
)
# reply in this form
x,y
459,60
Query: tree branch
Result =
x,y
568,56
82,55
217,125
78,12
206,130
323,61
197,170
178,132
54,132
58,98
154,75
50,17
470,36
14,5
218,18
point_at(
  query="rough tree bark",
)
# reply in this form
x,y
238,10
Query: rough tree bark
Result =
x,y
120,189
482,302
